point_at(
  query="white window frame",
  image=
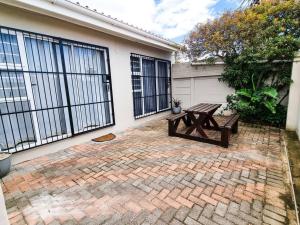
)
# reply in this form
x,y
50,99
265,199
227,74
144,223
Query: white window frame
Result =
x,y
156,60
141,90
157,81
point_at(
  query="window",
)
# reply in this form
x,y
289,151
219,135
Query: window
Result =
x,y
9,51
50,89
150,85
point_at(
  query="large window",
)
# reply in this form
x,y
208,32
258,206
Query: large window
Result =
x,y
151,83
50,89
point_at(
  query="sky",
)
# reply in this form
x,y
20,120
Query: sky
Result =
x,y
173,19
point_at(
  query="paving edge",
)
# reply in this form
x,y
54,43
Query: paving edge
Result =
x,y
3,212
291,179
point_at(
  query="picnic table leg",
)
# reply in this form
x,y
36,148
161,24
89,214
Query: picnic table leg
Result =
x,y
171,128
214,122
187,120
173,125
235,127
206,124
197,124
193,126
225,134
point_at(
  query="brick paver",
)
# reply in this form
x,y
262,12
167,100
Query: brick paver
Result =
x,y
145,177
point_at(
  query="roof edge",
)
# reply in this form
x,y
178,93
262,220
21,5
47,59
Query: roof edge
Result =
x,y
77,14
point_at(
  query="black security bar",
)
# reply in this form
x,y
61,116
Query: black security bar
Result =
x,y
151,85
51,89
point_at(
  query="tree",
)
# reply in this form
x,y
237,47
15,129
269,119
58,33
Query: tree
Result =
x,y
235,31
257,45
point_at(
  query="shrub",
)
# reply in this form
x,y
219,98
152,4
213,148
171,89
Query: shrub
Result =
x,y
257,45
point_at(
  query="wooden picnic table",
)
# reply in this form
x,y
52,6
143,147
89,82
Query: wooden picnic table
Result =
x,y
199,118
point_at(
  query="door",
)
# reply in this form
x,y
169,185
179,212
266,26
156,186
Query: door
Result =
x,y
50,89
47,85
89,86
163,89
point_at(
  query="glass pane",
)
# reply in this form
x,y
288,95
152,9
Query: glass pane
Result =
x,y
136,82
162,79
12,85
135,64
9,50
47,85
149,85
138,106
16,128
88,86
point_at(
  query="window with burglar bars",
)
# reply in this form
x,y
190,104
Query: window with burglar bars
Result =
x,y
151,85
50,89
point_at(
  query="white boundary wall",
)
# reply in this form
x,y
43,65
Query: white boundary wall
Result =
x,y
3,214
293,114
197,83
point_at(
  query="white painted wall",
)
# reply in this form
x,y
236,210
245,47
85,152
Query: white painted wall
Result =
x,y
193,84
293,114
3,214
119,50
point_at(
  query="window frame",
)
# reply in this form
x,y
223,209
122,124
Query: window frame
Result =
x,y
24,68
157,95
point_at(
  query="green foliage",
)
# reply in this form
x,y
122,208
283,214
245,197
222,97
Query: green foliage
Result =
x,y
257,45
252,103
258,106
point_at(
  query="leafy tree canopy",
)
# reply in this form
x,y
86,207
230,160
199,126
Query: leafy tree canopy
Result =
x,y
257,27
257,45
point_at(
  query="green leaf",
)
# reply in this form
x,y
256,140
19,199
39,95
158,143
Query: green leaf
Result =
x,y
271,106
271,92
243,105
244,92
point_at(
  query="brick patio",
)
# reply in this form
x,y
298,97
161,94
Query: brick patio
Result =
x,y
146,177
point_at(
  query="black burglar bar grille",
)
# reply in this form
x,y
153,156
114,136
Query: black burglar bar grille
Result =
x,y
151,85
50,89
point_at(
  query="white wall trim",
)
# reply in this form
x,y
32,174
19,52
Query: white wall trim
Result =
x,y
3,212
293,113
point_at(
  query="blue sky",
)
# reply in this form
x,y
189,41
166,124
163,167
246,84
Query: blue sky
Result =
x,y
217,9
172,19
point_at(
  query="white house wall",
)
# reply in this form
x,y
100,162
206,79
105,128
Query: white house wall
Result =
x,y
119,53
293,114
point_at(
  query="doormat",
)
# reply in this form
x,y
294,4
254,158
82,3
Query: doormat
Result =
x,y
107,137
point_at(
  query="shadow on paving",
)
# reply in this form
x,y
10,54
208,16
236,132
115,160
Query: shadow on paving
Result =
x,y
146,177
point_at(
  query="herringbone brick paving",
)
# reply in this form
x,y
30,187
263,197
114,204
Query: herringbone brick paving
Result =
x,y
145,177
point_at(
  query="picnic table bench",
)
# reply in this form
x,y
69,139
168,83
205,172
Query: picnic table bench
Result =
x,y
197,119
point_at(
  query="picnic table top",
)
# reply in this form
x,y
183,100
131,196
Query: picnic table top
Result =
x,y
206,108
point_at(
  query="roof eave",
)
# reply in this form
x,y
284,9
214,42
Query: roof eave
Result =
x,y
73,13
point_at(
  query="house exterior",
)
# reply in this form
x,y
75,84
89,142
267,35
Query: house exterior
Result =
x,y
293,111
70,74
